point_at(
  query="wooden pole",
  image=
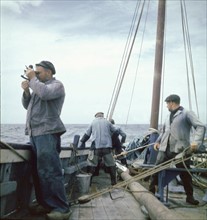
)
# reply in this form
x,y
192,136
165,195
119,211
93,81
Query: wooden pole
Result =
x,y
156,210
158,65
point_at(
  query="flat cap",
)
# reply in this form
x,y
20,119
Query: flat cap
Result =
x,y
99,114
47,65
173,98
112,121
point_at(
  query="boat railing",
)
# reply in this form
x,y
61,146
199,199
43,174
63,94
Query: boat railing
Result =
x,y
17,190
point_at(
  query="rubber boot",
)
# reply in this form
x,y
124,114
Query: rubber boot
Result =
x,y
91,170
124,162
96,172
112,172
153,182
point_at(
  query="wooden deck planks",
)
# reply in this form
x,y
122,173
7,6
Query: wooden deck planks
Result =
x,y
121,205
85,212
125,207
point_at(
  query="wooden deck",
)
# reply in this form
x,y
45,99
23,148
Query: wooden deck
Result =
x,y
121,205
117,205
104,208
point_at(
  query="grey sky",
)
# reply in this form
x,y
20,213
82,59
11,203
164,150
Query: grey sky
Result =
x,y
85,40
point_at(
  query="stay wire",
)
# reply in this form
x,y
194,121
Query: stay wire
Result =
x,y
126,65
124,55
135,79
187,46
185,50
191,58
163,71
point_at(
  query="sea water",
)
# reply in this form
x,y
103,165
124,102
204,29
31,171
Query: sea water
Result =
x,y
15,133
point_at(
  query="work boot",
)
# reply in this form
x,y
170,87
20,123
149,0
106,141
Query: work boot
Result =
x,y
90,170
153,184
124,162
191,200
55,215
96,172
38,209
152,188
112,172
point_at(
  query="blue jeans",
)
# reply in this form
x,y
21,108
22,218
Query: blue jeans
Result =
x,y
47,172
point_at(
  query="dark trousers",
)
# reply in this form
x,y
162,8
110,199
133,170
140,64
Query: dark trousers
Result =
x,y
47,172
106,154
185,176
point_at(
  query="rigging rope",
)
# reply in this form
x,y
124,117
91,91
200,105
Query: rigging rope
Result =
x,y
187,45
124,56
163,72
132,93
142,175
127,54
122,74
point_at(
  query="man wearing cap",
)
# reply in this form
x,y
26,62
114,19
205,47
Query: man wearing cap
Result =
x,y
175,137
100,129
45,127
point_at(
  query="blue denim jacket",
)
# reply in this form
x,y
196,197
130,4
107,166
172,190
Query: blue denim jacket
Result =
x,y
44,107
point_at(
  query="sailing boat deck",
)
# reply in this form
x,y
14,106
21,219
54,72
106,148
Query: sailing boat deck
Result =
x,y
105,208
121,205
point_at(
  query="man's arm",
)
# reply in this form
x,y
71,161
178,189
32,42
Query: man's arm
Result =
x,y
26,96
123,135
200,130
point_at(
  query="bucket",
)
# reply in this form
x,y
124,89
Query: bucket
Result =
x,y
83,183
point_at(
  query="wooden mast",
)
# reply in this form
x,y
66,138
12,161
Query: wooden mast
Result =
x,y
158,65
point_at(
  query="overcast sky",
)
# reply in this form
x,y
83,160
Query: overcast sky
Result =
x,y
85,41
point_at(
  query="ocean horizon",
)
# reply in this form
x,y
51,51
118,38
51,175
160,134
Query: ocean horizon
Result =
x,y
15,133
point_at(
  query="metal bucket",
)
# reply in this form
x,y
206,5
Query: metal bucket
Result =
x,y
83,183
